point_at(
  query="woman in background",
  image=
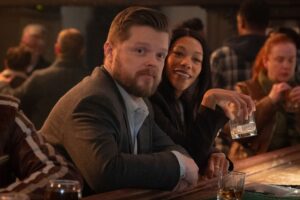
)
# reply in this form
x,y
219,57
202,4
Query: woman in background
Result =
x,y
272,86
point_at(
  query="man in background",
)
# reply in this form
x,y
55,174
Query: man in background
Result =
x,y
16,62
232,62
34,37
40,92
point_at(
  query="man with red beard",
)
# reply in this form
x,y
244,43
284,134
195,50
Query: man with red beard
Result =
x,y
105,124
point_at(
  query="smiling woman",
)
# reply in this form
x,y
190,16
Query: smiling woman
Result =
x,y
184,108
177,102
184,63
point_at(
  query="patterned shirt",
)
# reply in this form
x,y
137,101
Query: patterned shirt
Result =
x,y
232,63
227,70
27,162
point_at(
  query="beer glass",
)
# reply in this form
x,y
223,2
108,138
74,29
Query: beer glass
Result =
x,y
289,105
231,186
63,190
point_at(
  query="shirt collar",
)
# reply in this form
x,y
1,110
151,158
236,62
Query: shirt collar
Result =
x,y
132,105
137,112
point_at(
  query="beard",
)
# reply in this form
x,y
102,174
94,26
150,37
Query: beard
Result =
x,y
136,85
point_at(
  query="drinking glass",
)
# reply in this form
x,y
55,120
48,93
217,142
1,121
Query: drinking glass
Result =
x,y
289,105
231,186
13,196
241,127
63,190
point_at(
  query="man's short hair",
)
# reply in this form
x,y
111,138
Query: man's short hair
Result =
x,y
71,42
34,29
18,58
140,16
256,13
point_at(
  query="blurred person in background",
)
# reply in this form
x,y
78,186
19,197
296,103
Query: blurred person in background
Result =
x,y
274,88
16,61
44,87
233,61
296,37
34,37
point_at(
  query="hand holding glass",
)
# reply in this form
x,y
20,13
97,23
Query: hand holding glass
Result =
x,y
289,105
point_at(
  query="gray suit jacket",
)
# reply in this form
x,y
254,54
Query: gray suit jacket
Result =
x,y
40,92
90,123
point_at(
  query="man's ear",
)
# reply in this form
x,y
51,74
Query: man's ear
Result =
x,y
57,49
243,23
108,51
265,60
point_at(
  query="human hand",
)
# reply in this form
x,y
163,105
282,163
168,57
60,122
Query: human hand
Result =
x,y
182,185
233,103
190,178
277,91
5,79
294,94
217,163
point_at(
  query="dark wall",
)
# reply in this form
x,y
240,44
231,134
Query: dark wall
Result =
x,y
97,30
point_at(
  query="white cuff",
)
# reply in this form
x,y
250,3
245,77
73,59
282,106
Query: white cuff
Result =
x,y
181,164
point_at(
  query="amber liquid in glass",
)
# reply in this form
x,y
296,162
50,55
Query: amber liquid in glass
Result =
x,y
230,194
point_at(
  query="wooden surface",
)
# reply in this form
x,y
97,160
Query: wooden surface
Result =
x,y
280,167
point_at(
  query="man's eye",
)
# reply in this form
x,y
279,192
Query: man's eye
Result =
x,y
140,51
291,60
161,56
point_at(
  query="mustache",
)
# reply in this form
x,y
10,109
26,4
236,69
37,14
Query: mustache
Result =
x,y
149,71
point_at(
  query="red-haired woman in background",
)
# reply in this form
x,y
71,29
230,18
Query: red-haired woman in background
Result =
x,y
277,95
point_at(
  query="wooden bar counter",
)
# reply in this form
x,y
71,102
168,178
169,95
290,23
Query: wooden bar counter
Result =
x,y
280,167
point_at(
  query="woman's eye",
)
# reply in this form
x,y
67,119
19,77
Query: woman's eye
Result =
x,y
196,60
178,53
279,59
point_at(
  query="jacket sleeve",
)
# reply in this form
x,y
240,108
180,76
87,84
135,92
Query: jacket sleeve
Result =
x,y
28,93
33,161
203,133
198,140
99,148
